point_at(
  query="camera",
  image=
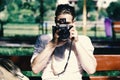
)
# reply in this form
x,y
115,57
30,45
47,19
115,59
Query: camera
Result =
x,y
63,30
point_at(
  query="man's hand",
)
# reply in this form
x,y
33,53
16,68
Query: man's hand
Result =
x,y
73,34
56,41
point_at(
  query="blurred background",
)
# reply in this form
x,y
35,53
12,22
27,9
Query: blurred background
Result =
x,y
21,21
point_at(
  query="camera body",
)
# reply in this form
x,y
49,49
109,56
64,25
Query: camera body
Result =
x,y
63,31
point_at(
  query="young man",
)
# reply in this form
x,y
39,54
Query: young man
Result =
x,y
63,55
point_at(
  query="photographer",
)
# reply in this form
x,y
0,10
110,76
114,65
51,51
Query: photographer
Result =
x,y
63,55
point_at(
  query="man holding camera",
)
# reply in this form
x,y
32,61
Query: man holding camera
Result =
x,y
63,55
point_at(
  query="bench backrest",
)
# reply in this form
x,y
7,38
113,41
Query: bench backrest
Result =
x,y
116,27
106,63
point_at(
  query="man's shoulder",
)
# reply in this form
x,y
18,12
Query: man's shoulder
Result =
x,y
83,37
45,36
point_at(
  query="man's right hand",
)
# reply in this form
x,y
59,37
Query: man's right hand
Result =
x,y
56,41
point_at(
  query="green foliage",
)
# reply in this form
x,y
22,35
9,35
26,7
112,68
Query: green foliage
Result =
x,y
30,73
22,12
104,73
114,12
4,15
18,51
92,15
90,5
49,4
30,11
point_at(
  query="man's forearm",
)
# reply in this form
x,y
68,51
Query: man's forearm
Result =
x,y
41,60
85,58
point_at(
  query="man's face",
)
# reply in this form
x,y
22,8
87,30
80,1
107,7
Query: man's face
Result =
x,y
64,23
67,17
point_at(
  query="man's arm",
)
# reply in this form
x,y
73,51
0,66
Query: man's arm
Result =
x,y
84,53
40,61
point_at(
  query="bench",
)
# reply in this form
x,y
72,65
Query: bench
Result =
x,y
105,63
116,28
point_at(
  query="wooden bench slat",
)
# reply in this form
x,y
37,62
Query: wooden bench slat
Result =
x,y
108,62
104,78
116,23
116,27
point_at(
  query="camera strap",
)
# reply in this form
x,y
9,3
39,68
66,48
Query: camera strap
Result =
x,y
67,58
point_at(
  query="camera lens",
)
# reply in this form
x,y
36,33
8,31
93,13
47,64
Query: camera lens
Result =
x,y
63,33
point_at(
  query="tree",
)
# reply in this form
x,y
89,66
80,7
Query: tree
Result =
x,y
90,5
3,14
114,11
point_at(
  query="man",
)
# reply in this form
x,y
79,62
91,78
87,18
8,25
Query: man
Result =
x,y
64,55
